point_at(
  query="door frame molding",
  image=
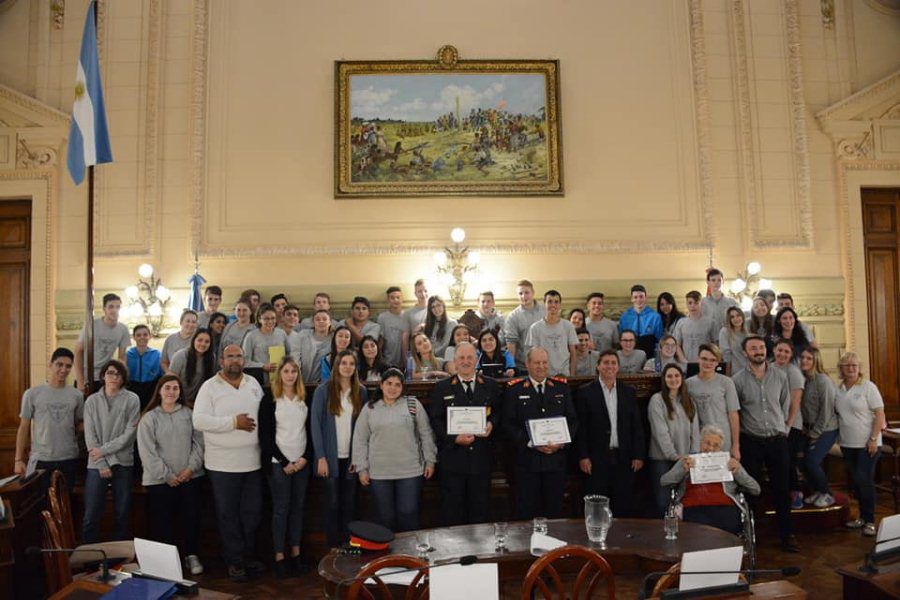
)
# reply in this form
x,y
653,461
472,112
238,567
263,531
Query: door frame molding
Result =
x,y
852,177
41,188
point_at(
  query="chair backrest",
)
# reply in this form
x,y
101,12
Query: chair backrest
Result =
x,y
668,580
591,575
58,574
417,590
58,493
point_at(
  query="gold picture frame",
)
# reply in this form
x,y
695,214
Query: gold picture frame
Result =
x,y
447,127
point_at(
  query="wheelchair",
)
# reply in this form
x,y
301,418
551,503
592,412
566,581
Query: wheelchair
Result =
x,y
748,523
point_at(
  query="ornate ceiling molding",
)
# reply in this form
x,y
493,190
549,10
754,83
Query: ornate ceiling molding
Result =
x,y
198,157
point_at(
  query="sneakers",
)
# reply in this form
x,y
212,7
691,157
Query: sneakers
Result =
x,y
192,562
811,499
237,574
854,524
869,530
824,501
796,500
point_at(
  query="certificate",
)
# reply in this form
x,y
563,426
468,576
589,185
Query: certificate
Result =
x,y
544,432
466,420
711,468
276,353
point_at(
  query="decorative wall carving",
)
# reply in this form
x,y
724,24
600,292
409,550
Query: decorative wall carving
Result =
x,y
40,157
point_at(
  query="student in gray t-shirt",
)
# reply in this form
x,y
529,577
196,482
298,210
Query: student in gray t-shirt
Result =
x,y
715,397
604,331
50,417
522,317
109,336
695,329
555,335
180,339
394,329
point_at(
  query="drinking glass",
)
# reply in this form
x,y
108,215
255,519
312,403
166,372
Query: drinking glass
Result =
x,y
500,531
597,518
671,524
423,544
540,525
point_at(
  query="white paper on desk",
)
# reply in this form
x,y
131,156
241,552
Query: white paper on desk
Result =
x,y
157,559
888,529
542,544
722,559
391,576
464,582
893,430
711,467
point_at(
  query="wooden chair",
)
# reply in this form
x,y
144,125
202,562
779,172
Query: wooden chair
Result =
x,y
56,564
668,580
60,507
542,572
417,590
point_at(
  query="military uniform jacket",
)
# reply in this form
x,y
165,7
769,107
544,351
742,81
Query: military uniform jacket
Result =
x,y
522,403
476,458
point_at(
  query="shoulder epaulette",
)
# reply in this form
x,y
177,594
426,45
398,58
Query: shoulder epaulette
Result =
x,y
557,379
516,381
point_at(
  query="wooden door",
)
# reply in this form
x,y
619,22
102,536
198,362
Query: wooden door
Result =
x,y
881,209
15,273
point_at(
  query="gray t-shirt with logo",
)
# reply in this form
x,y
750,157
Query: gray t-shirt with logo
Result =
x,y
107,340
714,399
394,328
555,339
604,332
53,413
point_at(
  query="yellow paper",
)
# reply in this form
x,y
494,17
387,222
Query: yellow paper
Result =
x,y
276,353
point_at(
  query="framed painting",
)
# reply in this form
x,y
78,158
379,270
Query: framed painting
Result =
x,y
447,127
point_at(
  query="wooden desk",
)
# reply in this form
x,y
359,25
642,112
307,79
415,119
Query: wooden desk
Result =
x,y
635,546
25,501
770,590
871,586
88,589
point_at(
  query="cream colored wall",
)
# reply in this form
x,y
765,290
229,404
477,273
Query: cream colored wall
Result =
x,y
876,32
685,125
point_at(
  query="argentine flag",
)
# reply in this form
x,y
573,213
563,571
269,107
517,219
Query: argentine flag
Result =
x,y
89,136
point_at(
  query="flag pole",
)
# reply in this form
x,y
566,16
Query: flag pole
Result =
x,y
89,274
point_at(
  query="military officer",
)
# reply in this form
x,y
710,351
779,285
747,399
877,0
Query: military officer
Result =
x,y
465,460
540,471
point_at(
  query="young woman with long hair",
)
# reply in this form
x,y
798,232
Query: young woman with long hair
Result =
x,y
371,362
675,429
194,364
335,407
341,340
284,459
258,342
668,311
423,364
171,453
820,424
438,326
492,360
731,336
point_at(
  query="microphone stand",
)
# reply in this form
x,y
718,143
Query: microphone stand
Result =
x,y
740,586
104,577
876,556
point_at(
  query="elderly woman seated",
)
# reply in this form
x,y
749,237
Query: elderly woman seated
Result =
x,y
713,504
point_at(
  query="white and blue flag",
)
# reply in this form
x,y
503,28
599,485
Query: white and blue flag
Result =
x,y
89,135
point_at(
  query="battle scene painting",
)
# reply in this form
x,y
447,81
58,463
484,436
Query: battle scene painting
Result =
x,y
418,129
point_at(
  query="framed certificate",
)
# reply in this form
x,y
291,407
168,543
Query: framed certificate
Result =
x,y
466,420
711,467
553,430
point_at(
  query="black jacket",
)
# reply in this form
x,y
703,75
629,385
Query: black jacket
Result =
x,y
522,403
478,456
593,436
268,449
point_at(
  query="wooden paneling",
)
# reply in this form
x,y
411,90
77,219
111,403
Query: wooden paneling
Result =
x,y
882,247
15,272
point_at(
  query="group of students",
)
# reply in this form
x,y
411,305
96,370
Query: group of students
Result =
x,y
219,401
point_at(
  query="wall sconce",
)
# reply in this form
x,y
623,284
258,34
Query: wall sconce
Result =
x,y
455,263
149,299
747,284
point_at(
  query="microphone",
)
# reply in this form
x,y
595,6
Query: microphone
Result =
x,y
655,575
104,576
468,559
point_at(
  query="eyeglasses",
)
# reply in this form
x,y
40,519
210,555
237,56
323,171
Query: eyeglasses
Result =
x,y
112,373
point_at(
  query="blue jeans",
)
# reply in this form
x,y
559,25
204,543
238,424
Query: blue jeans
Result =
x,y
812,460
661,493
397,502
288,494
94,496
340,503
861,468
69,469
238,498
